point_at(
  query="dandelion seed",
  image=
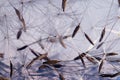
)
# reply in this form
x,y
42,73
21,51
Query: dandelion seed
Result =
x,y
1,55
22,48
111,54
57,65
100,66
106,75
64,4
114,60
81,58
78,57
24,25
65,37
19,33
61,77
51,62
43,66
102,35
41,45
100,45
88,38
61,41
119,2
34,52
20,18
3,78
11,69
91,59
76,30
17,13
52,39
98,58
110,75
43,56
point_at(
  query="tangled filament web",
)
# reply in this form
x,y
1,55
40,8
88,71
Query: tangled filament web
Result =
x,y
59,39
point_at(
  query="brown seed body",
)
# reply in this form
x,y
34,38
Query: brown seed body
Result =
x,y
81,58
19,33
100,66
64,4
88,38
119,2
51,62
102,35
22,48
75,31
11,69
100,45
61,77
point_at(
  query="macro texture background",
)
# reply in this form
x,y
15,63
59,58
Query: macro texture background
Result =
x,y
42,25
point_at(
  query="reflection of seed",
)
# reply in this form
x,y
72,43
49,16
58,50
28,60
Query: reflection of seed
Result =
x,y
61,41
52,39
